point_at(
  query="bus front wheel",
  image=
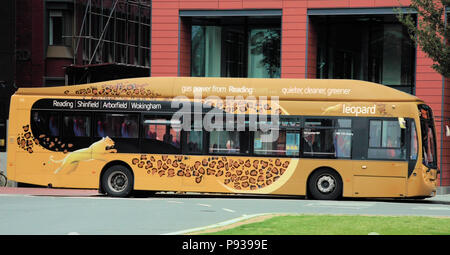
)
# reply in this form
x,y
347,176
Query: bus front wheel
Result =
x,y
325,184
117,181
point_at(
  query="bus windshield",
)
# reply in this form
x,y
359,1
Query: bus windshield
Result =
x,y
428,136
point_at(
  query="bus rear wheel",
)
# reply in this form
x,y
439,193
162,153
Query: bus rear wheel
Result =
x,y
325,184
117,181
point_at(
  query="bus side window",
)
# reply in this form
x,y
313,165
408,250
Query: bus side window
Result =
x,y
194,141
76,125
160,135
386,140
116,125
327,138
286,144
414,142
228,142
45,123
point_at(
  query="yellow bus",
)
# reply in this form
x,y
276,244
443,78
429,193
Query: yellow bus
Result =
x,y
323,139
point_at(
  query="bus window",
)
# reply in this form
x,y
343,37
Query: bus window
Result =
x,y
160,135
46,123
287,144
76,125
428,136
318,143
414,142
194,141
327,138
116,125
386,140
155,129
343,143
228,142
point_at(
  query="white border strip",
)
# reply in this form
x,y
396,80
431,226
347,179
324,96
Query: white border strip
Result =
x,y
220,224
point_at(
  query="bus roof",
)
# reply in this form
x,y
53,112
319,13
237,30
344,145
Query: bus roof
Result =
x,y
285,89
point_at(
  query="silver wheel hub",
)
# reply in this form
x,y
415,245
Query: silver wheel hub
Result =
x,y
326,184
117,181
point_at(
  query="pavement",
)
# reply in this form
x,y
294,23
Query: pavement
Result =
x,y
49,192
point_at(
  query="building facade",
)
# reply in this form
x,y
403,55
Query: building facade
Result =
x,y
67,42
61,42
345,39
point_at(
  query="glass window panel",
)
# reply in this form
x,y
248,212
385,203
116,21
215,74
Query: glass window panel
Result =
x,y
160,129
319,122
264,53
374,48
117,125
343,143
292,144
224,142
194,141
389,153
318,142
290,122
375,133
76,125
429,146
46,123
344,123
386,140
206,51
391,134
414,142
287,144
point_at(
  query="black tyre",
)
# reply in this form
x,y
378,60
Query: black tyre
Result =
x,y
3,180
325,184
117,181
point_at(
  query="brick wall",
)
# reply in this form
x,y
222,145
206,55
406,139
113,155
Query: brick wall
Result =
x,y
30,43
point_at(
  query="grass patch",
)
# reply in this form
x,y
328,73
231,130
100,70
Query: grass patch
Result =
x,y
342,225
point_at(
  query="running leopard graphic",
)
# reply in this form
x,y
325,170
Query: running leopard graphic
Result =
x,y
94,152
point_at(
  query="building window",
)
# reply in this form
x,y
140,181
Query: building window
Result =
x,y
122,34
236,47
206,51
374,48
55,28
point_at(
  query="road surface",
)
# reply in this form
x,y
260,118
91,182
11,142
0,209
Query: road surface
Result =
x,y
61,212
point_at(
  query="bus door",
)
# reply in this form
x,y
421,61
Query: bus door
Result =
x,y
381,167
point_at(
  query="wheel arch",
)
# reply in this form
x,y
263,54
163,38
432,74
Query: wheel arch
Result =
x,y
108,165
319,169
